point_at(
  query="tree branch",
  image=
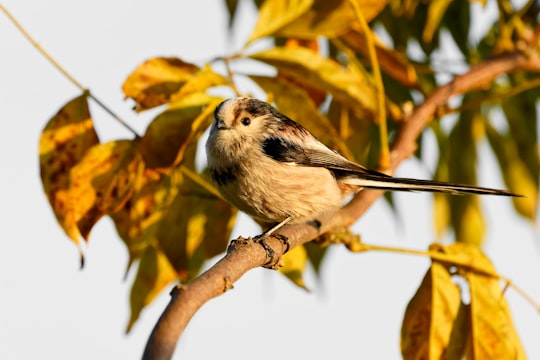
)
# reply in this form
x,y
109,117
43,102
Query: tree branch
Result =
x,y
244,255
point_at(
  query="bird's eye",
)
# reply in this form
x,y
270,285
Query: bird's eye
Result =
x,y
245,121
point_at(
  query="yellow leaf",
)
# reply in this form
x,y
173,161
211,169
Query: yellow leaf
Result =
x,y
349,87
436,10
297,104
391,61
515,173
196,226
310,19
431,316
353,130
172,131
492,330
294,265
204,79
66,138
153,82
468,220
154,274
138,220
274,15
102,182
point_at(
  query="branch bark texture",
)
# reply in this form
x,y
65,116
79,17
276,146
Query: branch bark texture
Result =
x,y
244,255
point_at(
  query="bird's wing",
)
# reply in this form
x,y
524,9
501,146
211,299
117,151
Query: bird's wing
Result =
x,y
311,152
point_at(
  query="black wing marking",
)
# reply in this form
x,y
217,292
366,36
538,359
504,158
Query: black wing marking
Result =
x,y
283,150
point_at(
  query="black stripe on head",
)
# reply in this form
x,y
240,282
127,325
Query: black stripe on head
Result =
x,y
282,150
218,108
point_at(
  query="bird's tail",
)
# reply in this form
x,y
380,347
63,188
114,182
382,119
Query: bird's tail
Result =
x,y
385,182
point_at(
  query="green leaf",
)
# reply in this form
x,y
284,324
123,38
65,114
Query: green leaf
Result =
x,y
349,87
64,141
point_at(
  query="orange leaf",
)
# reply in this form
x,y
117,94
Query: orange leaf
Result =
x,y
102,182
66,138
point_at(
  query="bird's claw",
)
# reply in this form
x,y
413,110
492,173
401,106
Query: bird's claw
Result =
x,y
270,253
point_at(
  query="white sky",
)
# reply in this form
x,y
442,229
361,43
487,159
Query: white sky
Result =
x,y
51,309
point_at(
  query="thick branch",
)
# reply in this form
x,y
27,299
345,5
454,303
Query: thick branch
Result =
x,y
245,255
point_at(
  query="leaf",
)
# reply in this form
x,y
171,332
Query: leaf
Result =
x,y
137,221
171,132
232,6
102,182
65,139
274,15
436,10
493,333
315,253
431,316
392,62
353,130
204,79
294,265
153,82
154,274
196,226
349,87
295,103
515,172
311,19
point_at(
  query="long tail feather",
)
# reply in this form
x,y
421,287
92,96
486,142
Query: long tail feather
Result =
x,y
404,184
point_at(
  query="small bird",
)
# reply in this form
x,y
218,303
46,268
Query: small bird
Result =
x,y
274,169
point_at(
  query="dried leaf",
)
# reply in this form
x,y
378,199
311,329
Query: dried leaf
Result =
x,y
204,79
154,274
294,266
306,66
172,131
64,141
102,182
431,316
153,82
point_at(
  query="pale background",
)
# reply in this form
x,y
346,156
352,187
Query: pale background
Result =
x,y
51,309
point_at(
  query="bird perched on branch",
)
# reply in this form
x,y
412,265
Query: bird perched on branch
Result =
x,y
274,169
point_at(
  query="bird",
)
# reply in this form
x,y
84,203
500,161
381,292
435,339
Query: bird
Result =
x,y
272,168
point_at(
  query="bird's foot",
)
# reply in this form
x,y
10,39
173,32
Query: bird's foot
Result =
x,y
273,262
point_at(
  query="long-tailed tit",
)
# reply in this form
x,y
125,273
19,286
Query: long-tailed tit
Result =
x,y
272,168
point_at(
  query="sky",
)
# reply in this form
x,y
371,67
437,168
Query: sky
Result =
x,y
50,308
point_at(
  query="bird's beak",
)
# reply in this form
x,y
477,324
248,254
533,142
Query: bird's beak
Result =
x,y
220,124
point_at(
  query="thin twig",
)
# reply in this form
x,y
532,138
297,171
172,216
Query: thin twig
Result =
x,y
64,71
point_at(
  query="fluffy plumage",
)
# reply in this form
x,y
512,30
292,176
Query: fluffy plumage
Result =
x,y
271,167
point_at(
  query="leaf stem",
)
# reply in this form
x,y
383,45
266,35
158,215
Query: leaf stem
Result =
x,y
384,161
438,256
64,71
